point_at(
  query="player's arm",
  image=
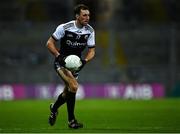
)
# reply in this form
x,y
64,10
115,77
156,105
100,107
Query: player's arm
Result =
x,y
51,45
91,47
90,54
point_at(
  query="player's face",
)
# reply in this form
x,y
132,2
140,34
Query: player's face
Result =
x,y
83,17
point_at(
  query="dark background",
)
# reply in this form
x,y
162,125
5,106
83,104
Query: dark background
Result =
x,y
137,41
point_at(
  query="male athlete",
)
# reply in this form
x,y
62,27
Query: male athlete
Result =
x,y
74,37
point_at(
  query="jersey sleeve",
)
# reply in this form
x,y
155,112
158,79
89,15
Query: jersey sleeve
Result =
x,y
91,40
59,33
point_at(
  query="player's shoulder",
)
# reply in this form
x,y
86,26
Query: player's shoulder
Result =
x,y
68,25
89,28
65,26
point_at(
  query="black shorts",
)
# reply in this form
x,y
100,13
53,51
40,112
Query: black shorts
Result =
x,y
57,66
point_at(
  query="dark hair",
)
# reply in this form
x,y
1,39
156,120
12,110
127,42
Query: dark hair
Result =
x,y
80,7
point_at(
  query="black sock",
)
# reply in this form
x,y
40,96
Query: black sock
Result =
x,y
71,97
60,101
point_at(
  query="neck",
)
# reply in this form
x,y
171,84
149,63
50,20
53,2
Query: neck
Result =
x,y
78,25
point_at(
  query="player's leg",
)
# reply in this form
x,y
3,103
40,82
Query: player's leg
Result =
x,y
60,100
54,107
70,95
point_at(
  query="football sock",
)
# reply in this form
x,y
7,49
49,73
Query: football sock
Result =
x,y
60,101
71,97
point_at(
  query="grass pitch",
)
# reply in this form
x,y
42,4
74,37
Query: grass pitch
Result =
x,y
98,116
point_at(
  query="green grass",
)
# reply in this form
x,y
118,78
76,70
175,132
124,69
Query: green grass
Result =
x,y
98,116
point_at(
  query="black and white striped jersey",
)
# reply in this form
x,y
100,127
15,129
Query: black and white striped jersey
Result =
x,y
74,40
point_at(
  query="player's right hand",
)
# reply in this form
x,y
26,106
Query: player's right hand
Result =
x,y
60,60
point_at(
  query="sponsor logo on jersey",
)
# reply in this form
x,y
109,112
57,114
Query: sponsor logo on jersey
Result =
x,y
70,43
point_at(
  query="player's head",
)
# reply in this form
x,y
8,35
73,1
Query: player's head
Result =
x,y
82,14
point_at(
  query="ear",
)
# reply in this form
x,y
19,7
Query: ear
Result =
x,y
77,16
